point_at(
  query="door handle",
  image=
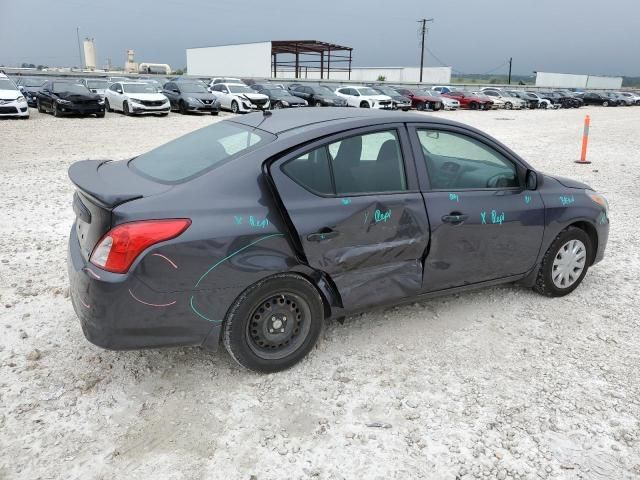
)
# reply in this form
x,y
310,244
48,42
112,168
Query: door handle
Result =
x,y
324,234
454,218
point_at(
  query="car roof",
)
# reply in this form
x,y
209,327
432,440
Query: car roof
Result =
x,y
280,121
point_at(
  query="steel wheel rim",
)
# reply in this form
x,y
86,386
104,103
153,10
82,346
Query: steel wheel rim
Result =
x,y
278,326
569,263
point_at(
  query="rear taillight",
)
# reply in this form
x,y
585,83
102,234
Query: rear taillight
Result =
x,y
120,246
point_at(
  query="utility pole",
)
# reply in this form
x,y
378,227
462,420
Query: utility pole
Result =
x,y
423,33
79,49
510,63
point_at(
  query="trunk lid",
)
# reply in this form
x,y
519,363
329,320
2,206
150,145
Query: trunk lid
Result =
x,y
102,186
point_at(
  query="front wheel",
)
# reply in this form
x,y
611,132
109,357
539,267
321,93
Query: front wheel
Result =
x,y
605,104
473,106
100,115
107,107
40,107
364,105
234,107
277,105
565,264
508,106
318,103
274,323
182,108
56,112
214,113
125,109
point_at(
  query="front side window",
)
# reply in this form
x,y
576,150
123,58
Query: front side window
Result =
x,y
199,151
456,161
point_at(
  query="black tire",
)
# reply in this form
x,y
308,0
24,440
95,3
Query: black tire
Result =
x,y
543,106
164,114
508,105
181,108
247,323
544,282
54,110
125,108
277,105
605,104
234,107
422,106
215,113
100,115
107,107
318,103
473,106
365,105
40,107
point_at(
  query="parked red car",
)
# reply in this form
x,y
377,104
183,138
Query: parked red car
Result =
x,y
469,100
420,99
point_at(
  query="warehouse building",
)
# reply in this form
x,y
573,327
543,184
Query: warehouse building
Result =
x,y
302,59
566,80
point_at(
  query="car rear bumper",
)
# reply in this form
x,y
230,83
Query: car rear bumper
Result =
x,y
119,312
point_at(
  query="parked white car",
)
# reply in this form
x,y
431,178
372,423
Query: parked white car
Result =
x,y
364,97
447,103
217,80
543,102
96,85
239,98
133,98
498,102
510,102
443,88
632,98
12,101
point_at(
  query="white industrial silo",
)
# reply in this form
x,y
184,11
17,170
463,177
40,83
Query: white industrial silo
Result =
x,y
89,54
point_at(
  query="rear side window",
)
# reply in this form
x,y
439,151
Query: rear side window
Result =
x,y
370,163
199,151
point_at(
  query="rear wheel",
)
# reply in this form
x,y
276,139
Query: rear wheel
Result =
x,y
565,264
274,323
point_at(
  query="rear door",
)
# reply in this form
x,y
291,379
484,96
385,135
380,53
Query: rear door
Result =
x,y
484,224
356,212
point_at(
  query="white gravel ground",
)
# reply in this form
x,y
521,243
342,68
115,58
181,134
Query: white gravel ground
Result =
x,y
498,383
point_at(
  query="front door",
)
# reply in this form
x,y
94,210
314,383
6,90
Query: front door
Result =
x,y
484,224
357,213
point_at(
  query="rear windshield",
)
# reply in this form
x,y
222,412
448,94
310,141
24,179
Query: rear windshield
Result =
x,y
199,151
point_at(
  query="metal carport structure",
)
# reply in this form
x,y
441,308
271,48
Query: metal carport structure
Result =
x,y
306,53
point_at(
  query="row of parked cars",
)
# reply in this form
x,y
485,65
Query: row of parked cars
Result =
x,y
160,95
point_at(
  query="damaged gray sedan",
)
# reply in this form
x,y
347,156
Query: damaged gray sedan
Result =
x,y
252,231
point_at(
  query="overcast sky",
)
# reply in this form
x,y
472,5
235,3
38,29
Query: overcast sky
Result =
x,y
472,36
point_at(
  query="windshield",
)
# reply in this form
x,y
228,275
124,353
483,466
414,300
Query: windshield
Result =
x,y
277,93
387,91
59,87
197,152
6,84
236,88
367,91
33,82
139,88
193,88
98,84
323,90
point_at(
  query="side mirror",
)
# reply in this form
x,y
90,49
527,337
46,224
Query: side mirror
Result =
x,y
531,180
119,90
175,90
